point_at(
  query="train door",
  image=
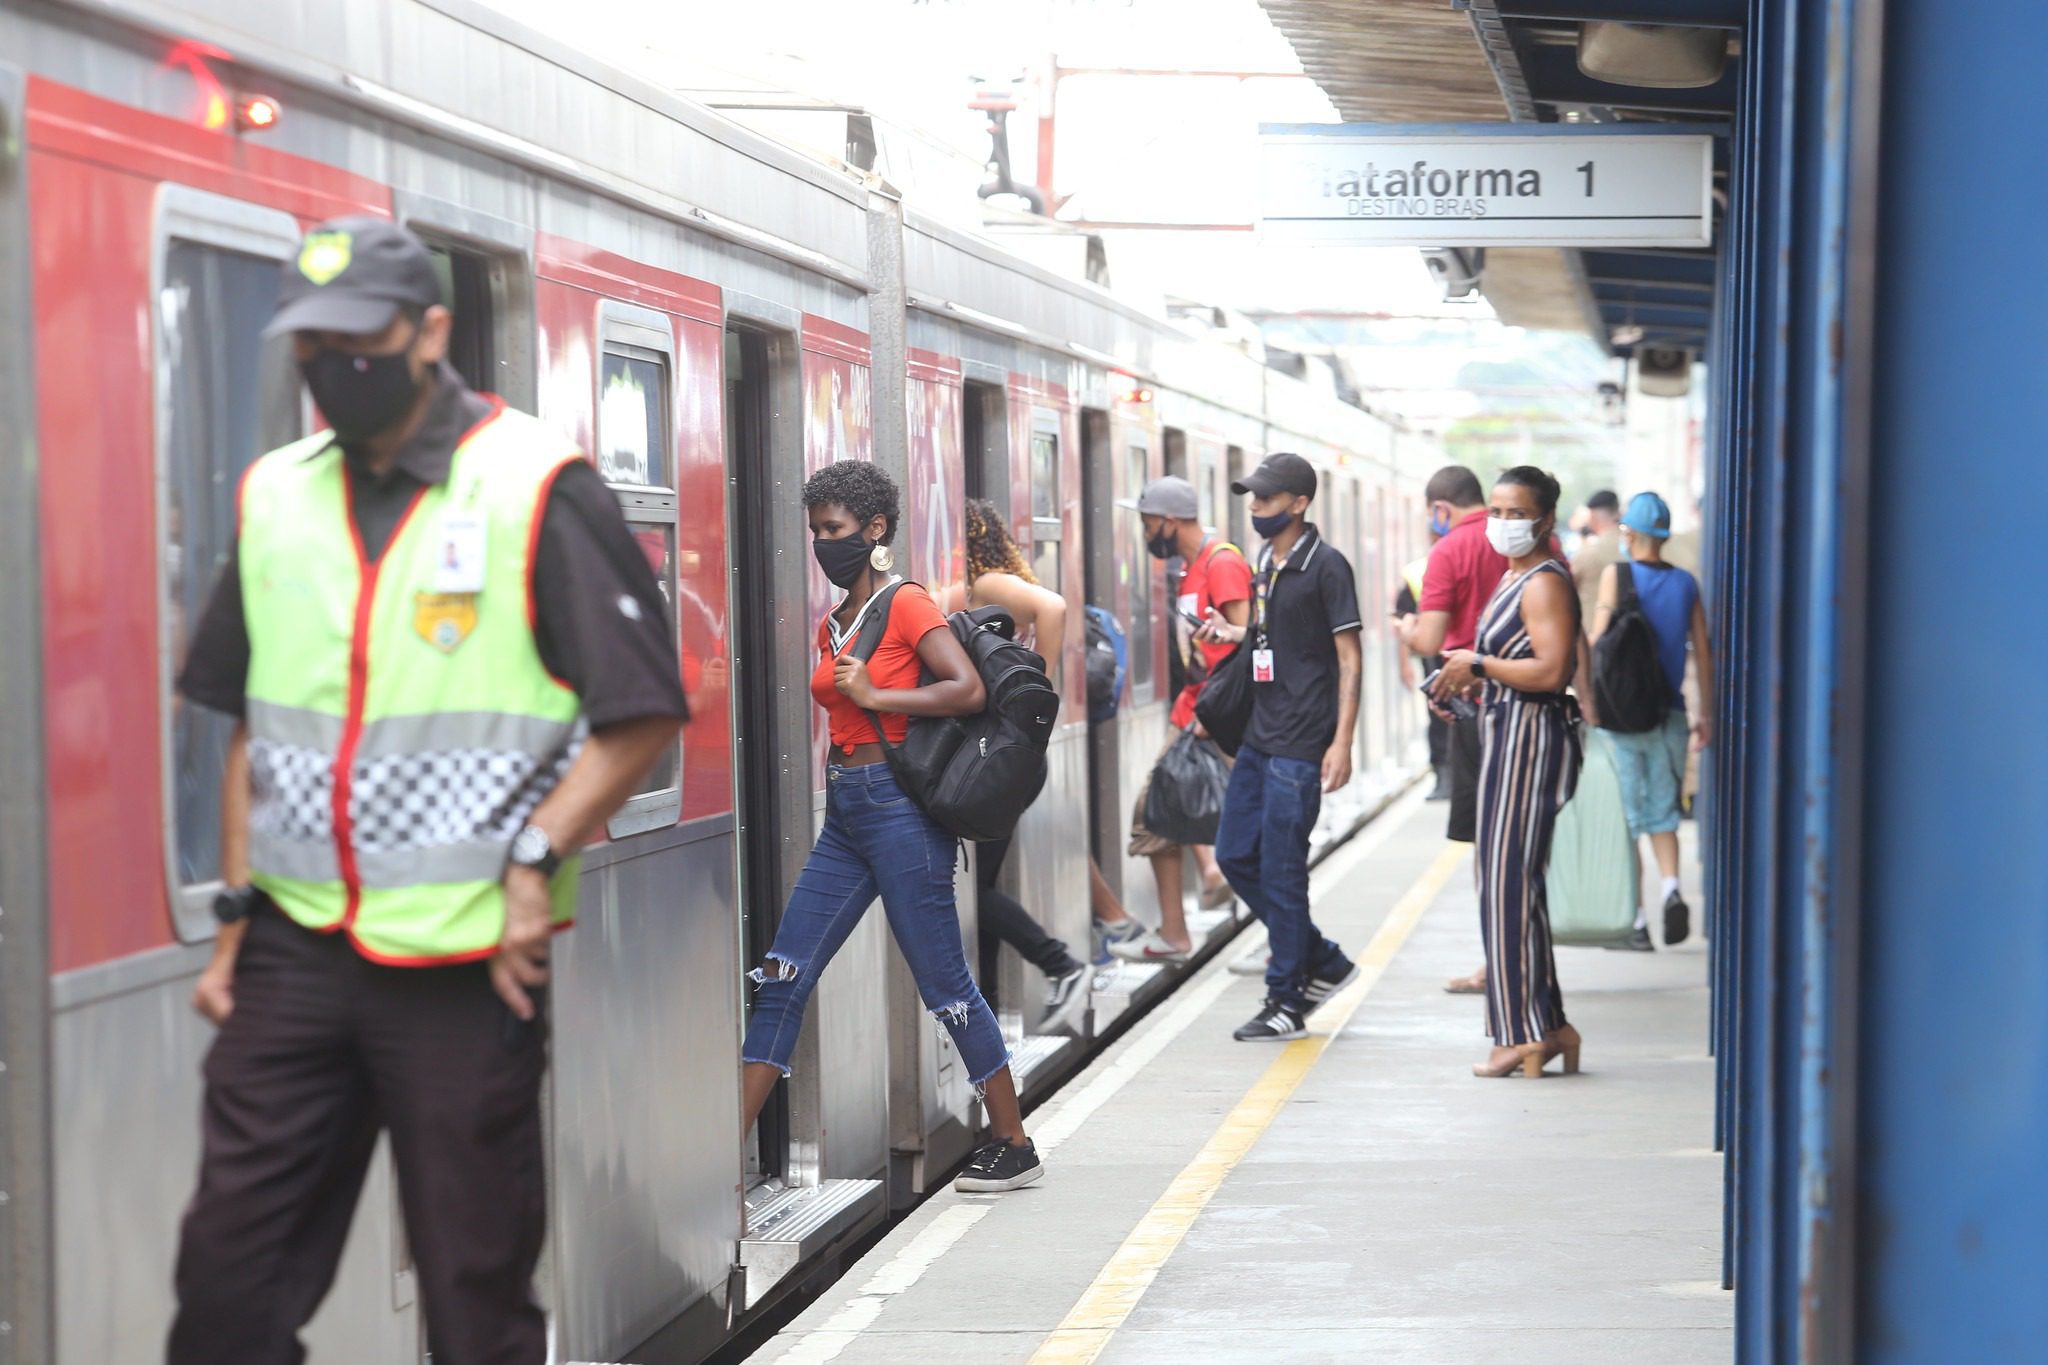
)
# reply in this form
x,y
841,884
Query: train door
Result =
x,y
773,817
1100,515
1236,467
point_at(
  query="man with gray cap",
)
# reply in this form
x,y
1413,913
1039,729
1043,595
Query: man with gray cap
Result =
x,y
1305,668
1213,578
449,662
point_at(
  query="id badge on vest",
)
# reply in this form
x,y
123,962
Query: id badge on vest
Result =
x,y
1262,665
459,560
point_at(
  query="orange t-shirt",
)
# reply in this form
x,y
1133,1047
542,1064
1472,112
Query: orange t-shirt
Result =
x,y
912,615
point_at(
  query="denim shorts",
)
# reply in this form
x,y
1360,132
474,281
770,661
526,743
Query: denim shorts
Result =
x,y
1651,766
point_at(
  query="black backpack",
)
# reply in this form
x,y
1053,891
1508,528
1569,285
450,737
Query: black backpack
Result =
x,y
976,775
1629,685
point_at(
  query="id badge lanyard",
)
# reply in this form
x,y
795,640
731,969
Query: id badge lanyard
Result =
x,y
1262,652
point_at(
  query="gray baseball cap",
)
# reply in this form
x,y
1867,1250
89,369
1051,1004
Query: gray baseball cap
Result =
x,y
1171,496
352,275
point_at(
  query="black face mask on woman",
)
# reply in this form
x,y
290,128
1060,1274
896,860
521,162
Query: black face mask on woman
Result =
x,y
844,560
361,396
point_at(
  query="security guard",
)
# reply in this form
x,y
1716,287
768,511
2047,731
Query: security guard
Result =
x,y
450,662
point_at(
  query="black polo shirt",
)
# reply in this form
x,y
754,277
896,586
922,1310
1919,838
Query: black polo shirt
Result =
x,y
599,620
1311,601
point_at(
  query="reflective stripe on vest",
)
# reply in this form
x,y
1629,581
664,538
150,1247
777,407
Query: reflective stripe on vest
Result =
x,y
399,734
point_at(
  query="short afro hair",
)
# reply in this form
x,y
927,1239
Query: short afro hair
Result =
x,y
860,487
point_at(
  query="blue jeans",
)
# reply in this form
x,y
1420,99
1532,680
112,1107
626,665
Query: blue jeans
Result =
x,y
876,839
1269,810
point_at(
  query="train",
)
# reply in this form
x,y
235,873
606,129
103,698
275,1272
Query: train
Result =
x,y
711,315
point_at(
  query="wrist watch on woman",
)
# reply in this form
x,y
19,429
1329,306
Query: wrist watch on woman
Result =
x,y
1478,665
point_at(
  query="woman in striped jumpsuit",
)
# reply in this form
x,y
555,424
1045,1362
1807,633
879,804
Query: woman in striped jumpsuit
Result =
x,y
1526,651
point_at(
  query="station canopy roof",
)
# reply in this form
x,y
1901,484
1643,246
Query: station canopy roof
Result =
x,y
1476,61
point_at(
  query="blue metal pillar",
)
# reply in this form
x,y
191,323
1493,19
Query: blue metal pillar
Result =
x,y
1952,1015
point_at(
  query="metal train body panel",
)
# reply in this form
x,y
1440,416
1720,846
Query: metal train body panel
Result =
x,y
608,221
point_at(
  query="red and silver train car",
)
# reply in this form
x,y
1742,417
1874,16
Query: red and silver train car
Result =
x,y
711,316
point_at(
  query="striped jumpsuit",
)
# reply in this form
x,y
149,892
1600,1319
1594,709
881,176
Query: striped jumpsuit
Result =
x,y
1528,770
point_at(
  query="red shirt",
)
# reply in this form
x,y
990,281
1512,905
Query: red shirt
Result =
x,y
1217,577
1463,571
912,615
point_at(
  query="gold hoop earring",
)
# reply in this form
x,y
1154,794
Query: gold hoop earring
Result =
x,y
881,559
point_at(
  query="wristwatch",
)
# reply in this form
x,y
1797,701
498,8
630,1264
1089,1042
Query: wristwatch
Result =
x,y
531,848
1478,666
234,903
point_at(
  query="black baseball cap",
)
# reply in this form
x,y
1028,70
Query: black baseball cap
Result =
x,y
1280,472
352,275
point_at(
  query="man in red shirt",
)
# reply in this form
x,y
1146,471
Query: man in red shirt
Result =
x,y
1216,575
1462,574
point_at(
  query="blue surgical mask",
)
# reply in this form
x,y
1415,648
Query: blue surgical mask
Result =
x,y
1439,525
1268,527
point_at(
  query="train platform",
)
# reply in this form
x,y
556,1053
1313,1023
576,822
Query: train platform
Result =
x,y
1355,1195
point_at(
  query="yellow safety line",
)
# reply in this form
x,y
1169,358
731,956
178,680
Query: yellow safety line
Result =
x,y
1105,1305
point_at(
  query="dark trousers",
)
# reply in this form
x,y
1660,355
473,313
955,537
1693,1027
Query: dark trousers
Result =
x,y
1439,728
1001,919
1269,812
1465,750
323,1050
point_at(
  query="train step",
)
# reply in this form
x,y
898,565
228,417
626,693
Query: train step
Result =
x,y
787,1227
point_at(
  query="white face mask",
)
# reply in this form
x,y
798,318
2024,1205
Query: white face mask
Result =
x,y
1512,539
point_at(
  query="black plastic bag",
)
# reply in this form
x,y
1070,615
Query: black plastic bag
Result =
x,y
1184,803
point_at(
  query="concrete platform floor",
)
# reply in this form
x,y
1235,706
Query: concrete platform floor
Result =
x,y
1394,1208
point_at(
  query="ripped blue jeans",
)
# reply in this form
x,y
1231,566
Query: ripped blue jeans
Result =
x,y
876,839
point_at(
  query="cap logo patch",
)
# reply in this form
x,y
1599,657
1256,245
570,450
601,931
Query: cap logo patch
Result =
x,y
325,255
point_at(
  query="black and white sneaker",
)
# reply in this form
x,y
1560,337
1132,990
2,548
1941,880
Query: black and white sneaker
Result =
x,y
1274,1023
1677,919
1331,979
1064,995
997,1166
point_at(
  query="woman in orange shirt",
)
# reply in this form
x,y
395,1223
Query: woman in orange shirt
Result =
x,y
876,840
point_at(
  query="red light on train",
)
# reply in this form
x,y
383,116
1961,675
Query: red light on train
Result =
x,y
256,114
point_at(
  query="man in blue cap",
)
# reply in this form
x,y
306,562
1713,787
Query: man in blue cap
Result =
x,y
1651,763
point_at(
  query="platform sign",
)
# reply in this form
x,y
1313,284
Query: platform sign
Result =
x,y
1487,184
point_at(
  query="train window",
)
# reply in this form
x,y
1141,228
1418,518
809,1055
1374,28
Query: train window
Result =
x,y
636,455
1046,531
1137,464
223,397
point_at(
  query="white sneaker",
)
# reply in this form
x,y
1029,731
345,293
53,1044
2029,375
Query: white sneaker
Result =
x,y
1148,947
1253,963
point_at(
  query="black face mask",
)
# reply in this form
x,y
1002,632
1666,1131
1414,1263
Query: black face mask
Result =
x,y
361,395
1162,545
844,560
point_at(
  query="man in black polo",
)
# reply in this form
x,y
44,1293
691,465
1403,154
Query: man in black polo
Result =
x,y
1305,671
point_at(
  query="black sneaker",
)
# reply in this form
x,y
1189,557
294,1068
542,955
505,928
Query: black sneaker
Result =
x,y
1677,919
1638,942
997,1166
1274,1023
1060,989
1331,979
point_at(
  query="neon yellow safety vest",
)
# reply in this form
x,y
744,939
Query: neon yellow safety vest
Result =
x,y
400,730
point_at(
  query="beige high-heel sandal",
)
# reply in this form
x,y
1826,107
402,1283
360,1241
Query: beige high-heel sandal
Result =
x,y
1565,1043
1527,1059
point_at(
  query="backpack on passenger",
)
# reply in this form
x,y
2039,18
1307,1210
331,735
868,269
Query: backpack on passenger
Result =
x,y
976,775
1629,686
1107,658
